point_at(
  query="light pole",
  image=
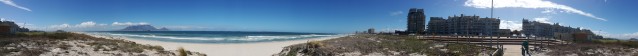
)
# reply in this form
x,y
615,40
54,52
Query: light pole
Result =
x,y
492,16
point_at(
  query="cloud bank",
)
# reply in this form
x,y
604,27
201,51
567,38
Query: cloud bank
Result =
x,y
61,26
542,20
86,24
517,25
534,4
90,25
619,36
512,25
11,3
128,23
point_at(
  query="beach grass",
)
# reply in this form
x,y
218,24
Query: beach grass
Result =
x,y
366,44
181,51
625,43
47,41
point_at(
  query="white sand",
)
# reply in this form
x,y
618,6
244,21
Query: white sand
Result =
x,y
234,49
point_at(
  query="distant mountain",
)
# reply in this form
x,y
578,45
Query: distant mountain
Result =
x,y
143,28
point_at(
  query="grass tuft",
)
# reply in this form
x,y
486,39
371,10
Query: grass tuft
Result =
x,y
181,51
315,44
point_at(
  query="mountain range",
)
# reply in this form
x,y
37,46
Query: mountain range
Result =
x,y
143,28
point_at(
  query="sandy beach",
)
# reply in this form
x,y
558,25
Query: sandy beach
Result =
x,y
227,49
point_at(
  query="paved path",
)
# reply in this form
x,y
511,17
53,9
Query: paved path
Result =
x,y
512,50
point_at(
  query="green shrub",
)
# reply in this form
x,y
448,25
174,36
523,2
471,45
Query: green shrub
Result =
x,y
293,52
632,44
133,49
315,44
154,47
30,34
60,35
22,34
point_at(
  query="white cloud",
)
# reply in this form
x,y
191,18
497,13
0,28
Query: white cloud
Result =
x,y
527,4
618,36
512,25
143,23
81,26
3,19
542,20
128,23
550,11
61,26
86,24
632,35
9,2
103,24
91,25
396,13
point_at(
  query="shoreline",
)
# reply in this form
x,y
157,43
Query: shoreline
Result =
x,y
223,49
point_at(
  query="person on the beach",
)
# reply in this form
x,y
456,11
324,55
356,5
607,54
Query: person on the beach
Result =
x,y
525,48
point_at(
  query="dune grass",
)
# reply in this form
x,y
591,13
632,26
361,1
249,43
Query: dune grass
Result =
x,y
392,45
99,44
625,43
181,51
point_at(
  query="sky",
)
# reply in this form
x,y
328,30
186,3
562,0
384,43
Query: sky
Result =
x,y
610,18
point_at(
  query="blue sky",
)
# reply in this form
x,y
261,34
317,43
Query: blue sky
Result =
x,y
614,18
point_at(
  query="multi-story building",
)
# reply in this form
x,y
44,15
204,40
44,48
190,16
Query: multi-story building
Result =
x,y
538,29
464,25
416,21
371,31
9,27
437,26
504,32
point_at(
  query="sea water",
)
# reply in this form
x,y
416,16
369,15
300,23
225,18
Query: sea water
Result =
x,y
215,36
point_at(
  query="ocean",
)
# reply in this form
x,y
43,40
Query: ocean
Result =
x,y
215,36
